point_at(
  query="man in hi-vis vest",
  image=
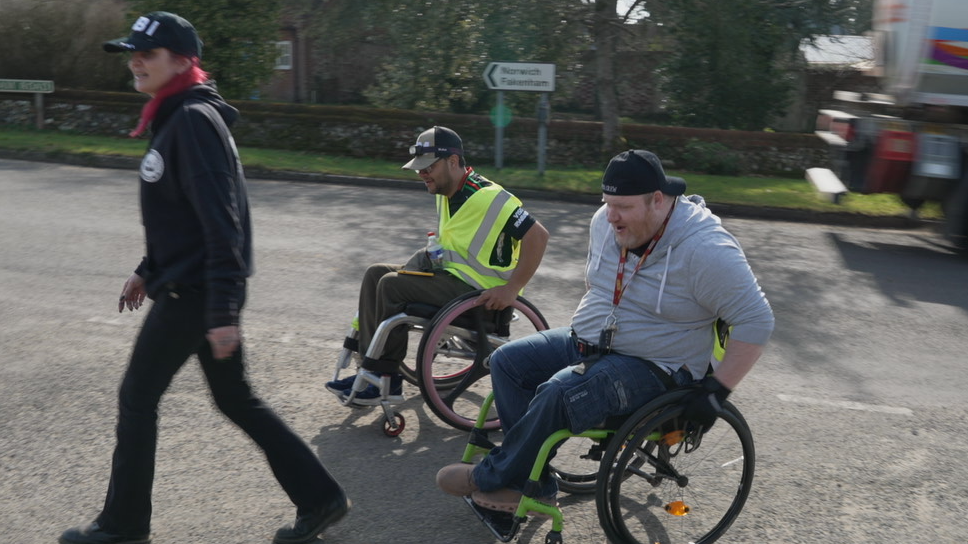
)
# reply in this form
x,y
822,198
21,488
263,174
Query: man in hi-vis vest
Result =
x,y
489,242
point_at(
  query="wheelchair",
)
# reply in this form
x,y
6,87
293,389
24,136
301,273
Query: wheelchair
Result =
x,y
454,344
657,479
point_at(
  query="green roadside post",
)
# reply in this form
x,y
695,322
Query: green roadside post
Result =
x,y
500,118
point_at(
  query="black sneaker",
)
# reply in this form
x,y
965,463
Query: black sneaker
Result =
x,y
371,395
337,387
308,526
94,534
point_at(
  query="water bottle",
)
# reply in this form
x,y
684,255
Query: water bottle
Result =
x,y
435,252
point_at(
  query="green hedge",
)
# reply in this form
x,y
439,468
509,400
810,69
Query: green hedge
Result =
x,y
387,133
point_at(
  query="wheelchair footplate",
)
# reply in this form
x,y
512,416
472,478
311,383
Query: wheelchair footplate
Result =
x,y
345,401
503,524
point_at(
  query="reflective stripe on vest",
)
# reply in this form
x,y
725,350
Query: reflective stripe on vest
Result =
x,y
475,269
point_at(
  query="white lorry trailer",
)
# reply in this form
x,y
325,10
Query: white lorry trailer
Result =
x,y
912,138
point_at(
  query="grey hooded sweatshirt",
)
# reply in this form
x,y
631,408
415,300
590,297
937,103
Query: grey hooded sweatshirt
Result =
x,y
696,274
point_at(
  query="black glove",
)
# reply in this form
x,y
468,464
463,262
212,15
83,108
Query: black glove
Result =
x,y
703,405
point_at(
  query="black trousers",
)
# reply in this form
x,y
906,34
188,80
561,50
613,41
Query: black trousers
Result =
x,y
173,330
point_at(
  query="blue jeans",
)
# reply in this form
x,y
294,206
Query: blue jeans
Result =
x,y
537,393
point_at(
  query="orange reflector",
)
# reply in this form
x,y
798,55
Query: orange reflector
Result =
x,y
677,508
673,438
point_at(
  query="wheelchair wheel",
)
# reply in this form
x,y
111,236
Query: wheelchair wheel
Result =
x,y
665,482
452,358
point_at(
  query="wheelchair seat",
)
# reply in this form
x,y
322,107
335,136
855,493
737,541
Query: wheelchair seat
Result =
x,y
495,321
421,309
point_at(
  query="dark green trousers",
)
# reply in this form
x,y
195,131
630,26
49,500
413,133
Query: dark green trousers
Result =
x,y
384,293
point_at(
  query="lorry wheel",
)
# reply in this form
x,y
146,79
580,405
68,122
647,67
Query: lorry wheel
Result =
x,y
857,163
955,206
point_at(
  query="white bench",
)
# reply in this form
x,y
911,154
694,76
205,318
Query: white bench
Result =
x,y
827,183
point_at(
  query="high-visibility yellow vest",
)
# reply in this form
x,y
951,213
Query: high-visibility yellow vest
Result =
x,y
720,338
469,236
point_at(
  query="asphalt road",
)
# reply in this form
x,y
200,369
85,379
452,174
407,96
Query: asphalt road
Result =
x,y
857,407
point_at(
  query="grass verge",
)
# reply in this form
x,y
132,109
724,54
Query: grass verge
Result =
x,y
744,190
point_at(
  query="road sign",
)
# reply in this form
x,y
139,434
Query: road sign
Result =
x,y
520,76
26,86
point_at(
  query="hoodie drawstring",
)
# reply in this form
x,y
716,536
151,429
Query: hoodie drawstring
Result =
x,y
665,274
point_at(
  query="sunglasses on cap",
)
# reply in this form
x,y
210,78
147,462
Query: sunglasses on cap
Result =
x,y
418,150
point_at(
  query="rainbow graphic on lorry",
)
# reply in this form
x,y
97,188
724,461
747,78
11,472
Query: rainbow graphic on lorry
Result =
x,y
949,48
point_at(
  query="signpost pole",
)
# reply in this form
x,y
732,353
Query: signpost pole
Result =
x,y
499,133
544,112
39,108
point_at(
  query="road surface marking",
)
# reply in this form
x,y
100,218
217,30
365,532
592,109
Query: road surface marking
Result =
x,y
848,405
106,321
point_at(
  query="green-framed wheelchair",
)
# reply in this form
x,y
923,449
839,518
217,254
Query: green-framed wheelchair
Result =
x,y
657,478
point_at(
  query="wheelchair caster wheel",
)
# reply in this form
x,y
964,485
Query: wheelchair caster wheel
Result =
x,y
395,427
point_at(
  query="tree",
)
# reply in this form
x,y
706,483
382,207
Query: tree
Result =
x,y
438,63
438,57
630,25
731,64
440,50
726,69
60,40
437,52
238,38
849,17
605,26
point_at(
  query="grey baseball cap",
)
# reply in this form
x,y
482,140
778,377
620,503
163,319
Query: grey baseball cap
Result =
x,y
433,144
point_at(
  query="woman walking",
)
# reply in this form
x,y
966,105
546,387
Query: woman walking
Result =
x,y
198,257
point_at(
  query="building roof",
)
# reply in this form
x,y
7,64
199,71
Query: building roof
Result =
x,y
839,52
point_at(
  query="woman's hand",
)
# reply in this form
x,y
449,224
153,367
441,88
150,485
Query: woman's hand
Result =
x,y
132,294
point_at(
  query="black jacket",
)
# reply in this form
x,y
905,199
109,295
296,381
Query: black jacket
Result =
x,y
194,205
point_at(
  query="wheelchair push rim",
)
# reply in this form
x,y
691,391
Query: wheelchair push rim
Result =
x,y
458,404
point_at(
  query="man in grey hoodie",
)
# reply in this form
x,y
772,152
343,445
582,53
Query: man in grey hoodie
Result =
x,y
660,271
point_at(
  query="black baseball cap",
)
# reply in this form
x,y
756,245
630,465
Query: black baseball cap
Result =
x,y
638,172
433,144
159,29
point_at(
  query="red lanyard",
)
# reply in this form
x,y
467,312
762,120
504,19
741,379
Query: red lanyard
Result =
x,y
619,287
